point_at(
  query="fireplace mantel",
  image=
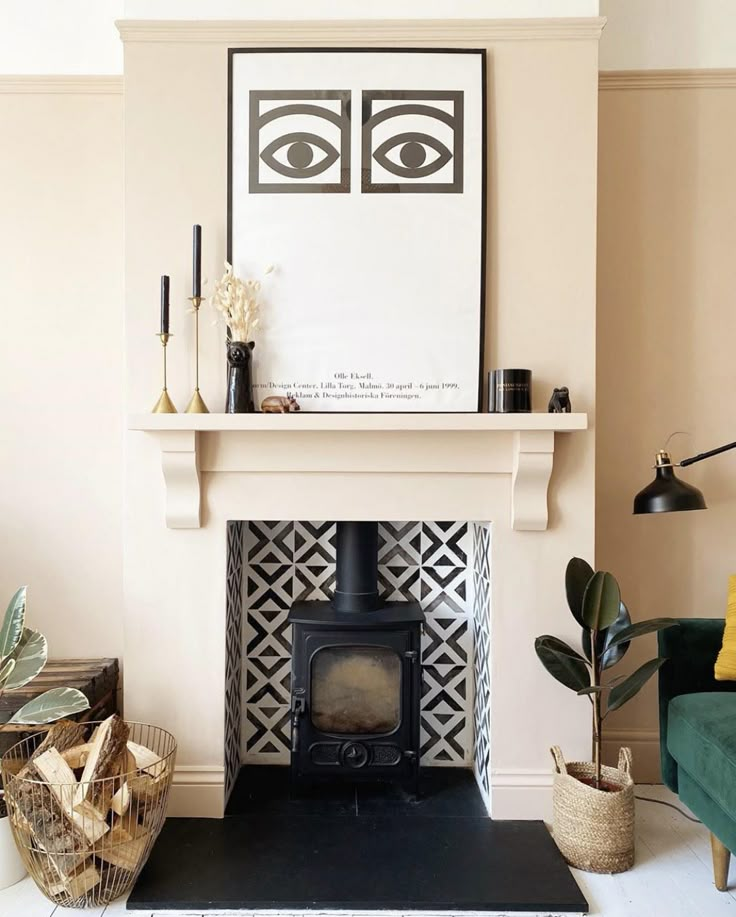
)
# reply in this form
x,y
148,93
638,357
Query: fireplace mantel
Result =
x,y
520,445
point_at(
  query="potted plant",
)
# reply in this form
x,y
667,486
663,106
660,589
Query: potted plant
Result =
x,y
593,805
23,653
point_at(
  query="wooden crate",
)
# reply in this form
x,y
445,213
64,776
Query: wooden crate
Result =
x,y
97,679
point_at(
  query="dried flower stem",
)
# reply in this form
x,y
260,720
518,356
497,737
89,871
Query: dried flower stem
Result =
x,y
238,303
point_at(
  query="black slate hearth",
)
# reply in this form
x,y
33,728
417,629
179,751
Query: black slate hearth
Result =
x,y
356,847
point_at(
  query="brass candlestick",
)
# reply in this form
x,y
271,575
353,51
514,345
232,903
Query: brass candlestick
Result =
x,y
164,405
196,404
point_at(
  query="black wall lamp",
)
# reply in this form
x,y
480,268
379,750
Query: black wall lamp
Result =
x,y
667,493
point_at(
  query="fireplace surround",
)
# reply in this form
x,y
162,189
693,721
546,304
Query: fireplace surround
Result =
x,y
540,312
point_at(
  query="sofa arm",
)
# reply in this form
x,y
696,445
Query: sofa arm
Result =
x,y
691,650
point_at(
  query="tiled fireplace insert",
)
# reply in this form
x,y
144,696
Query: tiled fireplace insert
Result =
x,y
445,566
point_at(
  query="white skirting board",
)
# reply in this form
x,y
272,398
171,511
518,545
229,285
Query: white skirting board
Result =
x,y
521,794
198,791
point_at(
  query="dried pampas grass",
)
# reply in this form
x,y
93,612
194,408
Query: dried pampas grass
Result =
x,y
238,303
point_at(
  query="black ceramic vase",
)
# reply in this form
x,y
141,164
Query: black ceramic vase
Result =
x,y
240,378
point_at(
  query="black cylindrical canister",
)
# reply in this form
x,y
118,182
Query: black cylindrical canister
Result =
x,y
510,391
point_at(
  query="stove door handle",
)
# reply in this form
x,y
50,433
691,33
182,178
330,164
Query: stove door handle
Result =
x,y
298,709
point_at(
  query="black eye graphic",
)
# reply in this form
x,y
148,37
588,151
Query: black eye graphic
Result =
x,y
299,149
409,136
299,141
412,148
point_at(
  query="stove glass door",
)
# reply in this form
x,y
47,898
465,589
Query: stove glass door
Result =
x,y
356,690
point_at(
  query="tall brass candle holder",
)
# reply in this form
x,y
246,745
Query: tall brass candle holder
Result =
x,y
164,405
196,404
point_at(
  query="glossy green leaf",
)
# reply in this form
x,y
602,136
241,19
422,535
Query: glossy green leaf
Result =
x,y
12,626
50,706
615,653
608,657
624,691
641,628
562,662
5,669
601,602
577,576
30,657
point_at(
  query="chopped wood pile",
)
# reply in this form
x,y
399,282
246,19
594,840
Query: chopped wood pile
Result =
x,y
88,806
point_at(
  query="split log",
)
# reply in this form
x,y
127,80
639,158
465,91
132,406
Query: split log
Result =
x,y
120,802
60,778
103,762
129,823
40,814
37,811
146,789
77,884
119,848
147,760
77,755
62,735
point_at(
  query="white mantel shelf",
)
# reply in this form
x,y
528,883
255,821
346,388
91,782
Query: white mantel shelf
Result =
x,y
521,445
335,423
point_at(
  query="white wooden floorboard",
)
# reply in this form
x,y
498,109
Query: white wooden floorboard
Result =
x,y
672,878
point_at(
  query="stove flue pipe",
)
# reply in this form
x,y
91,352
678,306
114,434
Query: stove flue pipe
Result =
x,y
356,589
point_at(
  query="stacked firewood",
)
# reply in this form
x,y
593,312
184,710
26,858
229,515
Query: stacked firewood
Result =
x,y
85,807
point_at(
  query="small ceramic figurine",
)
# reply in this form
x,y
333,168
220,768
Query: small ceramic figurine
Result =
x,y
239,378
278,404
559,403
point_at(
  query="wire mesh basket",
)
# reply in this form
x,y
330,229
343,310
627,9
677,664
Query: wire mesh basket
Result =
x,y
84,842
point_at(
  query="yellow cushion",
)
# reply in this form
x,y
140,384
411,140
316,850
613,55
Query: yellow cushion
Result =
x,y
726,661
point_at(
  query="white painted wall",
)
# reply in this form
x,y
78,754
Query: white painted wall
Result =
x,y
79,36
668,34
357,9
60,36
61,365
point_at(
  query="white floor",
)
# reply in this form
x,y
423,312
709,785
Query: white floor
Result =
x,y
672,877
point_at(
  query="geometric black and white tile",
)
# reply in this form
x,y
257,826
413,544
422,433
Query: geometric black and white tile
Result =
x,y
429,562
481,621
233,653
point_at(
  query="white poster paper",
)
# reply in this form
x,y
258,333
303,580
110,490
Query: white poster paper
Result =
x,y
360,176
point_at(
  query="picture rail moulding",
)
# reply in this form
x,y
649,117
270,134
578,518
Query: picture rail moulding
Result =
x,y
194,446
724,78
325,32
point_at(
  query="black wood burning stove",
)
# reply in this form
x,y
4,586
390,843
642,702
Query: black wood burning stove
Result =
x,y
356,674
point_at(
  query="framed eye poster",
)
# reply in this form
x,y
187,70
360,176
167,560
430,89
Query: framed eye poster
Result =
x,y
360,175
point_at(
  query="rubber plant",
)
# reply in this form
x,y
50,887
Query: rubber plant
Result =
x,y
594,599
23,654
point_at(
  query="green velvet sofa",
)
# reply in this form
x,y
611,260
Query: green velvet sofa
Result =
x,y
697,730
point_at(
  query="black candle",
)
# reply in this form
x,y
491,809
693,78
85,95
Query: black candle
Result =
x,y
164,304
197,260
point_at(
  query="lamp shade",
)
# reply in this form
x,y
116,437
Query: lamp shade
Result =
x,y
667,493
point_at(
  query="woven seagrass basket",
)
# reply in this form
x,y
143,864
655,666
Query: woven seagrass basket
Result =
x,y
594,829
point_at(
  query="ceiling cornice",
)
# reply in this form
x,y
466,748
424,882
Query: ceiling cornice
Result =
x,y
237,33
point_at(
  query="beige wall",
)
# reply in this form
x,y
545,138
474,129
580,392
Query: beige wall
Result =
x,y
666,332
61,361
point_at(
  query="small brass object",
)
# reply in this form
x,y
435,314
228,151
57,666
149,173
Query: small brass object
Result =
x,y
196,402
164,405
